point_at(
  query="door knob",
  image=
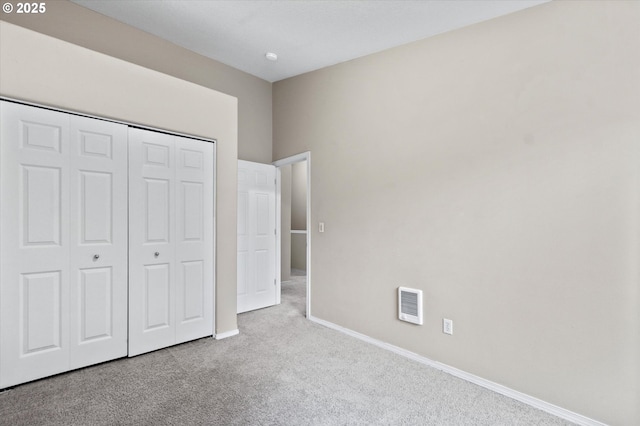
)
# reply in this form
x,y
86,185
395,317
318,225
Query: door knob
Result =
x,y
156,254
96,256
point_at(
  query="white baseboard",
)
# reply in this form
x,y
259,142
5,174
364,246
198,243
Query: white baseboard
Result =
x,y
503,390
220,336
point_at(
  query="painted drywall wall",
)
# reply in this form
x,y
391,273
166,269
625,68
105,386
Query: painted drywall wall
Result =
x,y
48,71
299,196
285,223
299,252
299,215
68,21
496,168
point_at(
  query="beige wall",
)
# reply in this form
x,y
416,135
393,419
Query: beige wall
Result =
x,y
299,215
294,216
299,196
285,223
299,252
67,21
496,168
44,70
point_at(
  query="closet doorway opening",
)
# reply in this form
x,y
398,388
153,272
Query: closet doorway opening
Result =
x,y
294,218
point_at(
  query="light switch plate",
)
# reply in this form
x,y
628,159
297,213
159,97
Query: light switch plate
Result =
x,y
447,326
321,227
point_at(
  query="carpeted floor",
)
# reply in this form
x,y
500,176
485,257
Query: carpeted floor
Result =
x,y
281,370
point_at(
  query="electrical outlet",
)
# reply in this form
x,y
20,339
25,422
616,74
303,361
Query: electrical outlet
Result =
x,y
447,326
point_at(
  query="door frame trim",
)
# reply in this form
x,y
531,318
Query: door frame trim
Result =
x,y
112,120
304,156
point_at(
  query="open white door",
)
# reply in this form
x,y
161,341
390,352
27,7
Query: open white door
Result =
x,y
257,286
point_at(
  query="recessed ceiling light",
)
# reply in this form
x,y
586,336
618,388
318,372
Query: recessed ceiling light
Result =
x,y
271,56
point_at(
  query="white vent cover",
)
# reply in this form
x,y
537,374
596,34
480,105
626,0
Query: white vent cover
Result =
x,y
410,305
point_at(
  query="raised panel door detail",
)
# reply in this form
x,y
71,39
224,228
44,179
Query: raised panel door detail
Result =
x,y
157,210
96,145
41,136
262,271
192,210
40,312
191,159
157,296
262,215
193,282
96,304
156,155
96,201
41,203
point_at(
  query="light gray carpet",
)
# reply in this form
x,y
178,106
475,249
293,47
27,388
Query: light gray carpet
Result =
x,y
281,370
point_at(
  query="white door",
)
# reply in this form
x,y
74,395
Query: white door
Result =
x,y
257,286
194,239
170,240
34,291
98,230
151,234
56,312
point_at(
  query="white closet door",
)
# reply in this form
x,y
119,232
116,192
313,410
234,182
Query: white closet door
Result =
x,y
170,240
151,236
98,241
256,236
194,239
63,186
34,282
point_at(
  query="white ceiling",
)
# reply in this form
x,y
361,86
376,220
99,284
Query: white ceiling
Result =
x,y
305,34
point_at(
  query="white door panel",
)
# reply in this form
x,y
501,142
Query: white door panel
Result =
x,y
34,290
98,241
66,243
63,181
256,236
171,240
151,227
194,239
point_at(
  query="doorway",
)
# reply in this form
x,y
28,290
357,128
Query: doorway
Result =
x,y
294,218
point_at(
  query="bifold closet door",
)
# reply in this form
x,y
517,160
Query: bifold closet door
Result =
x,y
98,241
170,241
63,201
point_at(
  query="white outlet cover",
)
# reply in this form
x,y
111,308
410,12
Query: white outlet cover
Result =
x,y
447,326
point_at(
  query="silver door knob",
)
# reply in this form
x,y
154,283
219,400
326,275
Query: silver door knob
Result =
x,y
156,254
96,256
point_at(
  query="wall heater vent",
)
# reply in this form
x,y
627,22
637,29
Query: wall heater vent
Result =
x,y
410,305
